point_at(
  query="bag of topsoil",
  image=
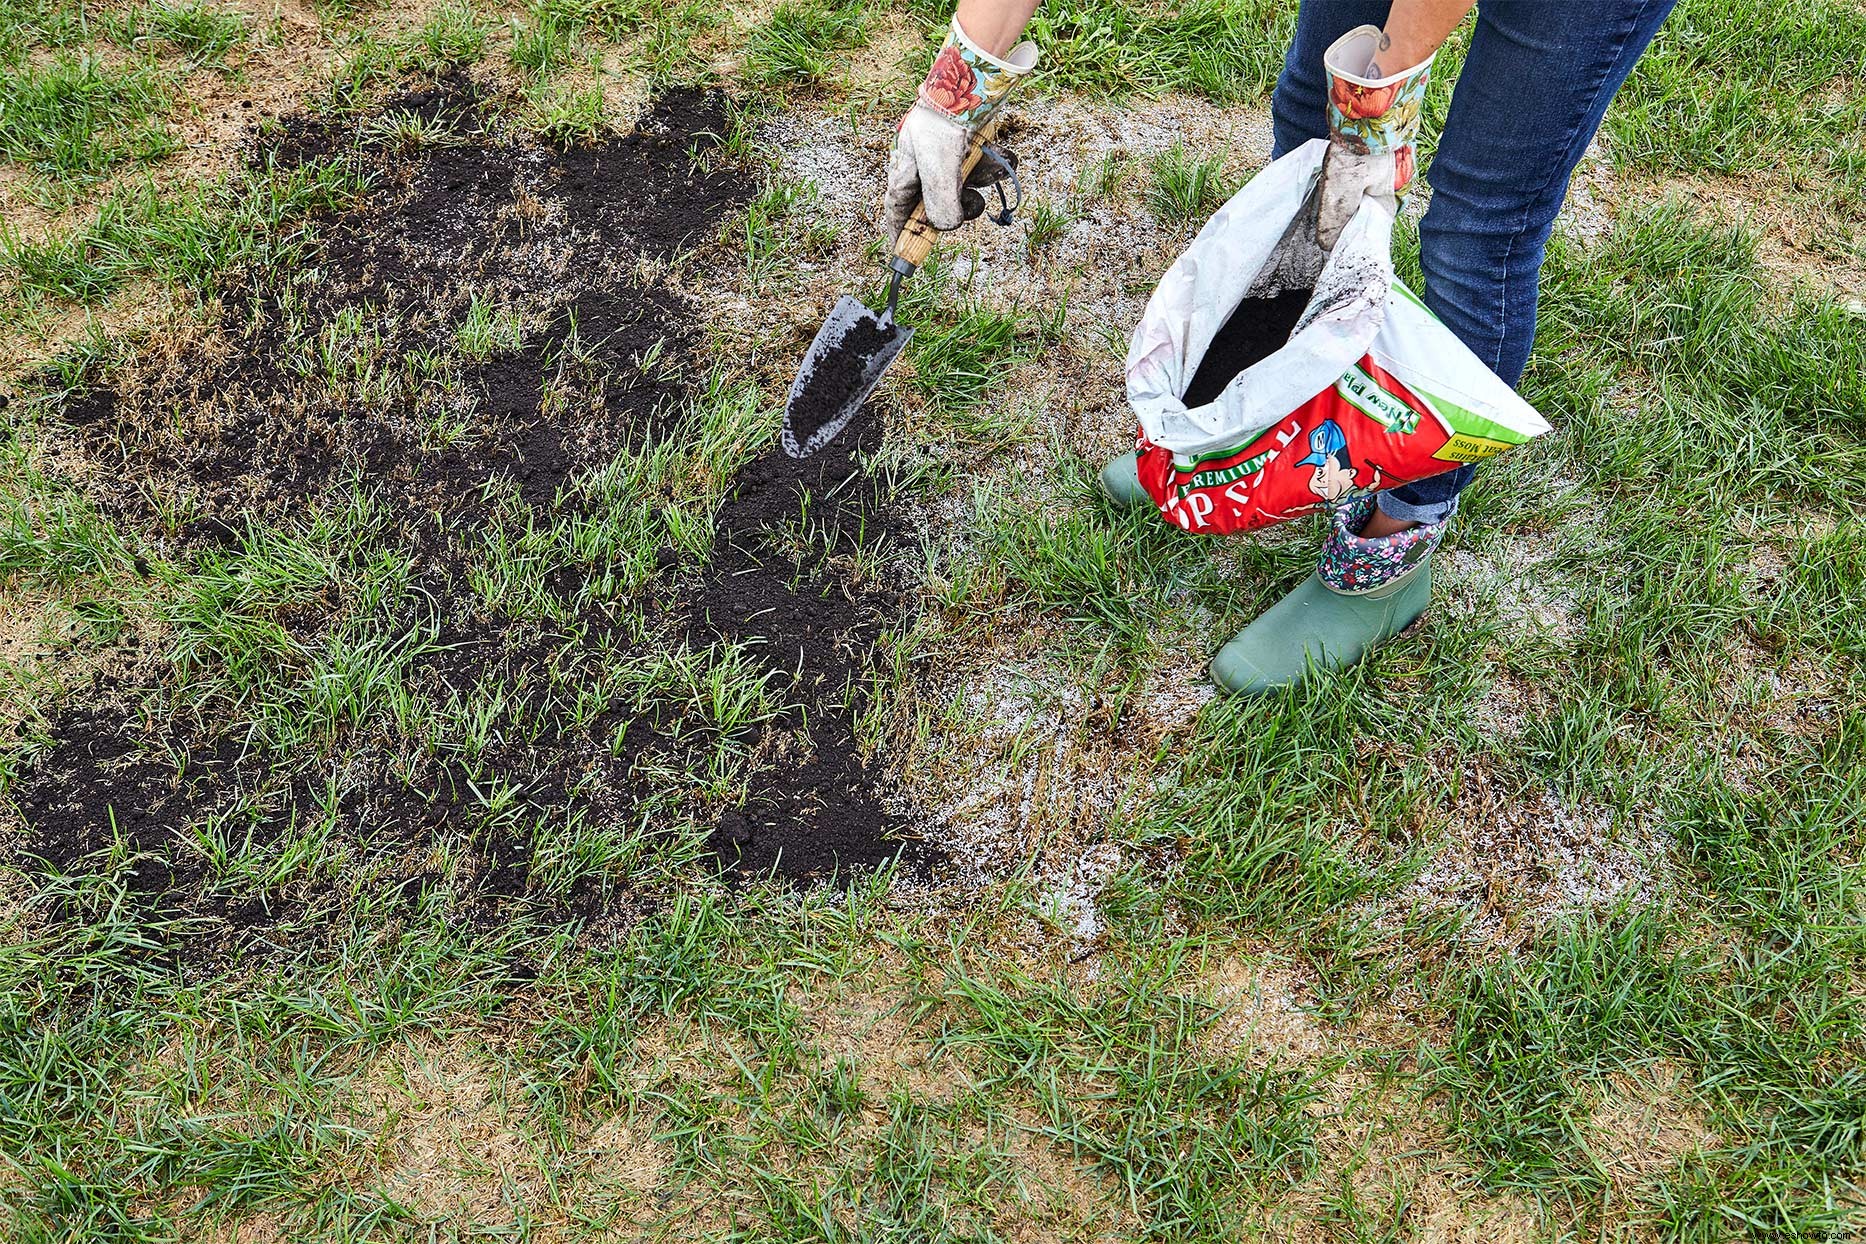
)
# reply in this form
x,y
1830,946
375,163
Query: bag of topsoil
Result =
x,y
1272,379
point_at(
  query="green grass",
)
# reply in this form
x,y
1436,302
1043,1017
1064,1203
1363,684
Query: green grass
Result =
x,y
1227,50
454,36
205,34
804,43
183,238
546,42
1185,189
77,117
956,362
1700,103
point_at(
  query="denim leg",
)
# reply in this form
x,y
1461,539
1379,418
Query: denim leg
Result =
x,y
1534,88
1300,105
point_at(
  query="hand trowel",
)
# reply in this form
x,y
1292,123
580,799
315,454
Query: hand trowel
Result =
x,y
856,343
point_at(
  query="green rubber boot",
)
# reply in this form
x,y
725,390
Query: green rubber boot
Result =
x,y
1363,593
1120,483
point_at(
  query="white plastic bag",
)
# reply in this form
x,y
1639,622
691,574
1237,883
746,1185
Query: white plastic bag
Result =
x,y
1371,390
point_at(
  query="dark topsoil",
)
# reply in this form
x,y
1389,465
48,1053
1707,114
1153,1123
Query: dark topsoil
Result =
x,y
252,429
815,806
1256,330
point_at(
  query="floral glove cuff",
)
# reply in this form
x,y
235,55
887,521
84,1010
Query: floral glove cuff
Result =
x,y
1375,116
967,83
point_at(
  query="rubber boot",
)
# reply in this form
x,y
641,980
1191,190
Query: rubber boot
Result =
x,y
1120,483
1363,592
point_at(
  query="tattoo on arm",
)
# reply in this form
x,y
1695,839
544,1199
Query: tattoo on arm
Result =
x,y
1386,41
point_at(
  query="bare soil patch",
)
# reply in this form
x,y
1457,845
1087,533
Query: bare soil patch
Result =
x,y
349,372
817,807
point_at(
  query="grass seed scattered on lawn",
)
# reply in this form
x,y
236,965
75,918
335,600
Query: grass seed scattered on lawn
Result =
x,y
834,376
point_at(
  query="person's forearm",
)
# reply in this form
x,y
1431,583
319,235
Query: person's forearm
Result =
x,y
1415,29
995,24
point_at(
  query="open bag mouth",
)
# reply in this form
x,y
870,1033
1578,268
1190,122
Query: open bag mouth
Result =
x,y
1271,378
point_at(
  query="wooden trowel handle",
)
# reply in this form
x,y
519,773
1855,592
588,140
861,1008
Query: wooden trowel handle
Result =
x,y
917,238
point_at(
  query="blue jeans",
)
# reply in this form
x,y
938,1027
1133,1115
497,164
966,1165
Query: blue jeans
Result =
x,y
1535,85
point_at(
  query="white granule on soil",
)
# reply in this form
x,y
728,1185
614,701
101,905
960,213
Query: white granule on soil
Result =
x,y
1022,776
1069,900
1584,214
1516,865
1523,591
1027,778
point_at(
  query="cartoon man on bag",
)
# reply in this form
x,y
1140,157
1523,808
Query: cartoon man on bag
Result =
x,y
1335,473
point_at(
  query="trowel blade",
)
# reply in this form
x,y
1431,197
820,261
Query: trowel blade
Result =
x,y
833,383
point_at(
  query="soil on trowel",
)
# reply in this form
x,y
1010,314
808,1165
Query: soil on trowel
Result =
x,y
835,375
1256,330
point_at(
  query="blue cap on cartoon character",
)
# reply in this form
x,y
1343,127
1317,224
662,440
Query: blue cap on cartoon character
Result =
x,y
1326,444
1336,477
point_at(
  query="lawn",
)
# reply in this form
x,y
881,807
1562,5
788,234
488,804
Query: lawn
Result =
x,y
460,780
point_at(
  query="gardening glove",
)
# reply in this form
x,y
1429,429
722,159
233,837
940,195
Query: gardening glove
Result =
x,y
961,92
1373,126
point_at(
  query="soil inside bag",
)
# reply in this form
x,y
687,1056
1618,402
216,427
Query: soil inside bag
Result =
x,y
1256,330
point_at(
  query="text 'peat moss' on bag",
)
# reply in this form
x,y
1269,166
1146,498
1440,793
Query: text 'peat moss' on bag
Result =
x,y
1368,391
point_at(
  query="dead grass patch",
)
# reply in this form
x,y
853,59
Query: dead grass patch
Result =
x,y
1265,1015
1059,1201
268,76
1384,1162
1810,236
870,1027
31,624
450,1135
1513,860
887,65
141,307
28,210
1643,1125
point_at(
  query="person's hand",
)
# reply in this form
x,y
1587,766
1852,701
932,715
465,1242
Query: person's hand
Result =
x,y
1373,124
960,94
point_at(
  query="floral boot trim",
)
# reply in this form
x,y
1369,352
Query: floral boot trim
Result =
x,y
967,83
1354,564
1375,115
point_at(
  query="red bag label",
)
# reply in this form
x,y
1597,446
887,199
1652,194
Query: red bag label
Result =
x,y
1364,434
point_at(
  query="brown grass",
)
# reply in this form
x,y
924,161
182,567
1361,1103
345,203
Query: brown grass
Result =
x,y
1382,1152
1643,1126
451,1137
286,54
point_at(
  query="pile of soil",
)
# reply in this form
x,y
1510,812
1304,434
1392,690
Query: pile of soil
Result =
x,y
150,801
348,368
1256,330
520,226
815,809
107,777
